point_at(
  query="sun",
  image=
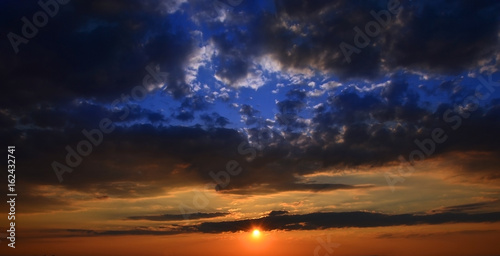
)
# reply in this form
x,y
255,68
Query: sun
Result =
x,y
256,233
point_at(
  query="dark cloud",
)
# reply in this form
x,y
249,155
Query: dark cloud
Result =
x,y
303,34
189,105
349,130
90,49
290,109
214,120
249,114
276,213
184,116
467,207
171,217
444,41
394,90
311,221
84,114
276,187
343,219
340,137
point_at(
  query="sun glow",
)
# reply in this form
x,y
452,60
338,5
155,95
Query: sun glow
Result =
x,y
255,233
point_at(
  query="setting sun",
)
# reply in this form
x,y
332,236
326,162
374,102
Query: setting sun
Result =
x,y
256,233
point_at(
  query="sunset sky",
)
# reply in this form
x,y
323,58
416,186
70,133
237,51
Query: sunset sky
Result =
x,y
238,127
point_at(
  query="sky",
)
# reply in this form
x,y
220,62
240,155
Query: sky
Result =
x,y
285,127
